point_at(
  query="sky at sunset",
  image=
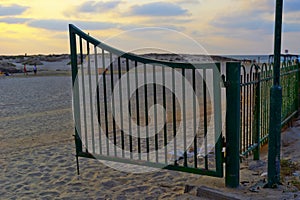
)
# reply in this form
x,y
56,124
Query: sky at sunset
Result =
x,y
219,26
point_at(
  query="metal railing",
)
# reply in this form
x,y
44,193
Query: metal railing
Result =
x,y
135,110
256,81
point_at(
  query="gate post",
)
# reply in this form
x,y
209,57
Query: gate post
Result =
x,y
75,89
232,173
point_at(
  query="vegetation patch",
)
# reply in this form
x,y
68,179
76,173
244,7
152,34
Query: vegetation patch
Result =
x,y
287,172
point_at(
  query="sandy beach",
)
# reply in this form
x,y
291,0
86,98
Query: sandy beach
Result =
x,y
38,159
38,153
44,167
47,170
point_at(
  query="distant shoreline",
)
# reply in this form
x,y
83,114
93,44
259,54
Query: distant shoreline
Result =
x,y
58,64
40,74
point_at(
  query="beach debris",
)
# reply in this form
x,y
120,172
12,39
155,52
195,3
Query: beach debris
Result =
x,y
201,153
256,187
180,155
296,173
244,183
264,174
205,151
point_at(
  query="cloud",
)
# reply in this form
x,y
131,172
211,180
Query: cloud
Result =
x,y
243,22
12,10
161,27
189,1
97,6
250,22
173,20
91,7
62,25
259,19
14,20
247,18
158,9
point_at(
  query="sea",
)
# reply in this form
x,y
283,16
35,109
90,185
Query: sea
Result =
x,y
255,58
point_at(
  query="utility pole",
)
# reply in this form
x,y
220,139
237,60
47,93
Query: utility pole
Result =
x,y
275,105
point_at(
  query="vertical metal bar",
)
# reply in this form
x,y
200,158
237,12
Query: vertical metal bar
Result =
x,y
251,109
275,105
137,110
218,119
194,118
241,113
121,108
261,101
146,112
232,177
247,114
283,81
83,93
174,112
75,87
98,98
165,115
91,97
105,103
129,108
205,118
113,106
155,114
244,115
184,118
77,163
264,102
257,113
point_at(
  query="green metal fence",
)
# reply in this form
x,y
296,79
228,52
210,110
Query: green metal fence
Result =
x,y
114,98
256,81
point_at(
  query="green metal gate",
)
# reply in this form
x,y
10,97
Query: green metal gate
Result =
x,y
141,111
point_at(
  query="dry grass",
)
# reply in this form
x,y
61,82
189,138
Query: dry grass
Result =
x,y
289,167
